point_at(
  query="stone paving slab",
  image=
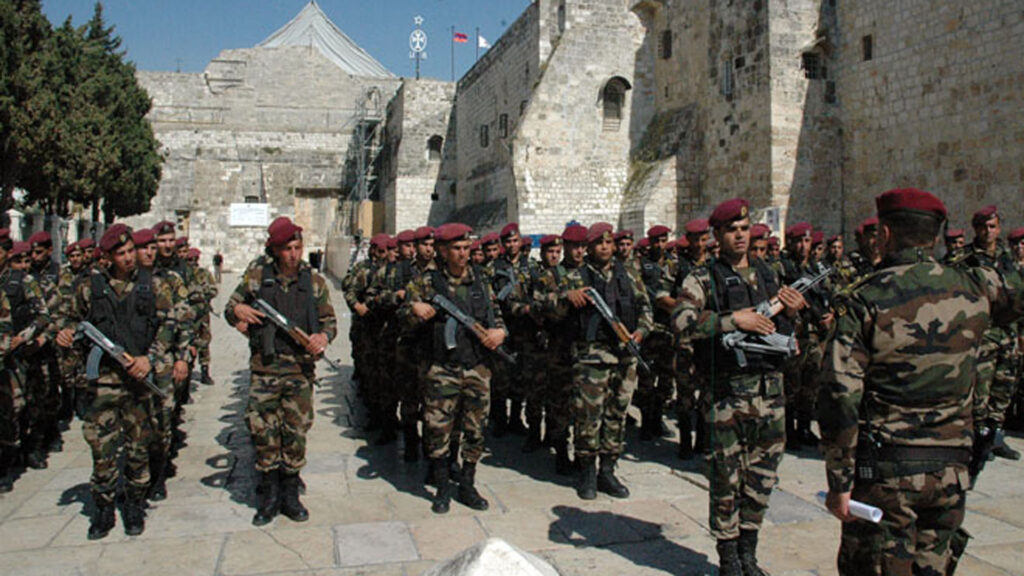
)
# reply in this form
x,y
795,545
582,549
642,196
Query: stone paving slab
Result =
x,y
370,513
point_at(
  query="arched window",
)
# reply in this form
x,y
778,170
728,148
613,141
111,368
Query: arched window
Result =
x,y
613,100
561,17
434,144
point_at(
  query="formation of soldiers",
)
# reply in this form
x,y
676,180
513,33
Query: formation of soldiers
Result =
x,y
455,333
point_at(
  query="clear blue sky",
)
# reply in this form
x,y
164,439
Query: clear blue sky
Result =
x,y
187,34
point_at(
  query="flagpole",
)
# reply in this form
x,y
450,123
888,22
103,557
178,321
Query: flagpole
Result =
x,y
452,40
477,42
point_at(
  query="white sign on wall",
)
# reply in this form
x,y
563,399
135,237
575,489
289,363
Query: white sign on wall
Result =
x,y
249,215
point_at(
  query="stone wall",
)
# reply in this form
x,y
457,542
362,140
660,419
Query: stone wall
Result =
x,y
938,106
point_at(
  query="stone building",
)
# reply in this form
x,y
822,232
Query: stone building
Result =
x,y
643,111
268,131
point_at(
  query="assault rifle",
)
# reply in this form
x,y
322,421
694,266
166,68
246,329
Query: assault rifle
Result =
x,y
455,317
742,342
102,345
620,330
510,286
27,335
294,332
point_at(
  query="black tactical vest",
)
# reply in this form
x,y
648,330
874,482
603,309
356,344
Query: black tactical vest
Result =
x,y
297,305
730,292
652,282
620,297
21,312
129,320
468,351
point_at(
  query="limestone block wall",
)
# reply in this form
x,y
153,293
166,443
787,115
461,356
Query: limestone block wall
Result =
x,y
939,105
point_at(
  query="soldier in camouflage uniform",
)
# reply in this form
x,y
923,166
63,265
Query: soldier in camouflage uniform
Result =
x,y
843,270
955,244
692,254
866,257
203,334
72,371
997,369
655,389
135,309
604,372
282,372
457,383
354,287
743,404
895,404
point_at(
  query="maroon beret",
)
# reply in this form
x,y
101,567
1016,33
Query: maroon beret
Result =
x,y
550,240
799,230
984,215
453,232
282,231
73,247
728,211
644,242
671,244
1016,234
817,237
773,241
627,233
20,248
489,239
509,229
600,231
834,238
181,241
424,233
475,246
86,243
194,253
911,200
406,236
5,233
871,222
143,237
712,243
41,238
698,226
683,242
391,243
380,240
952,233
658,230
164,227
575,233
759,231
96,253
116,236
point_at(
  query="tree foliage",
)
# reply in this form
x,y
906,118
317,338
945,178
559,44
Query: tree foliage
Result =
x,y
78,131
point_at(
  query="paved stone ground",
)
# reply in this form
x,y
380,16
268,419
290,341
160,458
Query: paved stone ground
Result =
x,y
370,513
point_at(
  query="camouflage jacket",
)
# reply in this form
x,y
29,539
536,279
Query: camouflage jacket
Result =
x,y
603,351
35,299
843,272
356,283
196,305
660,280
503,273
208,284
6,326
169,343
247,292
902,362
51,295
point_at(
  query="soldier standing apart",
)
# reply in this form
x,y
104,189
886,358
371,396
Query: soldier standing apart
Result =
x,y
135,309
203,333
744,406
604,372
218,265
895,404
282,372
458,381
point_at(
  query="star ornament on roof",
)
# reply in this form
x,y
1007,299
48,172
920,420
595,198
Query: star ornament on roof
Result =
x,y
418,20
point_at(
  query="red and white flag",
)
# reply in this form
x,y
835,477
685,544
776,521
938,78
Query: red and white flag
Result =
x,y
460,38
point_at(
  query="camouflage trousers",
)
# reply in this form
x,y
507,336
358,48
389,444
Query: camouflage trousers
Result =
x,y
12,403
42,397
456,400
279,414
602,392
747,439
202,340
654,390
558,394
118,421
161,417
686,383
406,374
802,377
997,379
922,512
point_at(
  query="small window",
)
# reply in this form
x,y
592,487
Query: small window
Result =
x,y
613,99
561,16
434,145
665,44
740,63
868,48
485,138
503,126
727,80
252,200
811,64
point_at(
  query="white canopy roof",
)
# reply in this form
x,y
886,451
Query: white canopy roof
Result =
x,y
311,27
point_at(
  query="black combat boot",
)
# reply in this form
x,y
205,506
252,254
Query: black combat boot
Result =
x,y
133,515
729,558
268,502
648,430
1002,449
291,507
411,435
454,470
54,440
102,521
443,496
685,439
533,438
6,473
563,465
700,437
803,431
388,432
499,417
204,375
468,493
515,419
35,455
606,480
792,438
586,487
748,553
158,477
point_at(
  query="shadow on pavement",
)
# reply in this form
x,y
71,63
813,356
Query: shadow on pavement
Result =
x,y
639,542
234,469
